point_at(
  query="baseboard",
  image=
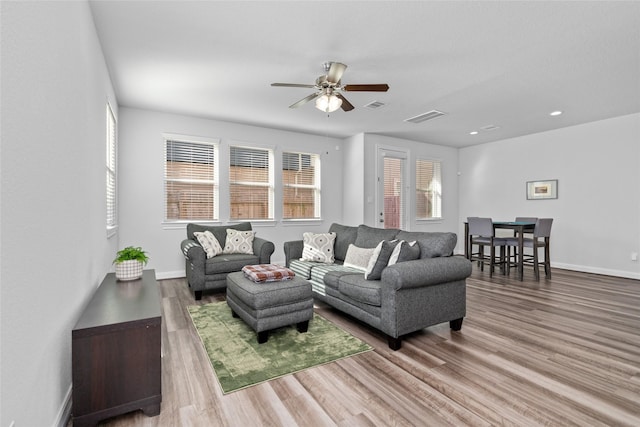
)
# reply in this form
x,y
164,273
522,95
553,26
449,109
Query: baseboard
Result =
x,y
593,270
163,275
596,270
64,414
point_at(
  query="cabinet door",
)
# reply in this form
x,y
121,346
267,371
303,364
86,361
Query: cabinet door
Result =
x,y
116,368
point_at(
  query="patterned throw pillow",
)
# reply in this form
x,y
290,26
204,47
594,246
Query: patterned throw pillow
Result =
x,y
380,259
318,247
239,242
358,257
209,243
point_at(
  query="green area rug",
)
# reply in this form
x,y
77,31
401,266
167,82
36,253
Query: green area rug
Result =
x,y
239,361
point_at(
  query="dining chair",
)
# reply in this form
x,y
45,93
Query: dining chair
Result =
x,y
524,219
541,239
481,234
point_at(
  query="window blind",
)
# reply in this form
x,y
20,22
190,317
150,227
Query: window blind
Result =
x,y
111,143
428,189
191,180
251,183
301,186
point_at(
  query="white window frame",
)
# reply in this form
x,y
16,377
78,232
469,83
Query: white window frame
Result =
x,y
437,195
316,186
270,185
111,163
215,182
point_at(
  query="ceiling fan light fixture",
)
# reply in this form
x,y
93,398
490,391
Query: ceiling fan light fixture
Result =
x,y
328,103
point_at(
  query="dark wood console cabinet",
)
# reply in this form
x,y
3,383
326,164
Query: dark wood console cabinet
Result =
x,y
116,351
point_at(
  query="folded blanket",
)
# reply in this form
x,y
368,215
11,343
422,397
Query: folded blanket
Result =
x,y
263,273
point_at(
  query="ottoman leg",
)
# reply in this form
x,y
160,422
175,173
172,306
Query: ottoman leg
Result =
x,y
263,337
303,326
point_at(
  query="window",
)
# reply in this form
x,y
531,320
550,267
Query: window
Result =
x,y
111,196
300,186
191,179
428,189
250,183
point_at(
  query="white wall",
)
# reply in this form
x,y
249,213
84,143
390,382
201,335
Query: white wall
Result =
x,y
141,182
54,245
597,214
353,202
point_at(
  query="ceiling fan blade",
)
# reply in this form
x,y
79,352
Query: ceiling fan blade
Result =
x,y
366,88
304,100
291,85
346,105
335,72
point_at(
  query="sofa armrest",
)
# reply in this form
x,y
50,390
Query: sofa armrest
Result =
x,y
426,272
264,249
293,250
193,252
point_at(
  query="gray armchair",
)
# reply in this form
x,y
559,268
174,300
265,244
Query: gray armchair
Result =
x,y
211,274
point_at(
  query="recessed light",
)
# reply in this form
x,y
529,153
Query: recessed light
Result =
x,y
475,132
555,113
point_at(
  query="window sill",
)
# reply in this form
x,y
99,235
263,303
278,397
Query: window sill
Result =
x,y
298,222
181,225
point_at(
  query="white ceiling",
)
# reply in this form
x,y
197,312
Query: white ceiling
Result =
x,y
500,63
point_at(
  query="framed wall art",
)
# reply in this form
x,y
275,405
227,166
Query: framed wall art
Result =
x,y
539,190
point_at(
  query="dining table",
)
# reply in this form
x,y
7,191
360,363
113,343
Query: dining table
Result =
x,y
519,227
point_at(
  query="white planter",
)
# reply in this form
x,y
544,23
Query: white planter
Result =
x,y
129,270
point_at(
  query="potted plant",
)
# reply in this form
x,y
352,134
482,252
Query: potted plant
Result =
x,y
129,262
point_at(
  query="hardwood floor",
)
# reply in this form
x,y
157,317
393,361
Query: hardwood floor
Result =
x,y
564,351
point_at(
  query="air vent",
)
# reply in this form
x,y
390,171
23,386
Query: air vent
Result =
x,y
490,127
374,104
425,116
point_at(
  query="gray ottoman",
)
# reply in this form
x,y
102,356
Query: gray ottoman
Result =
x,y
271,305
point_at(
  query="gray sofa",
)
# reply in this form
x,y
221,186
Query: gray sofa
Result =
x,y
410,295
211,274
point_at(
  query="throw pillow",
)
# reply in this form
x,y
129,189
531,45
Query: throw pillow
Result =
x,y
209,243
405,251
358,257
380,259
239,242
318,247
437,245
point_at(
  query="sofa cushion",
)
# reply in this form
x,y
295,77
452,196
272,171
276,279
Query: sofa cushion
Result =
x,y
380,259
239,242
318,247
432,244
220,231
369,237
229,263
332,278
302,268
358,257
345,235
357,287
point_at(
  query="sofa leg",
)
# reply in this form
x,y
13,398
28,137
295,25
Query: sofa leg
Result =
x,y
263,337
234,314
394,343
197,295
456,325
303,326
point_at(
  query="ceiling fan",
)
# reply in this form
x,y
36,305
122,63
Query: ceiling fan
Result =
x,y
328,87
